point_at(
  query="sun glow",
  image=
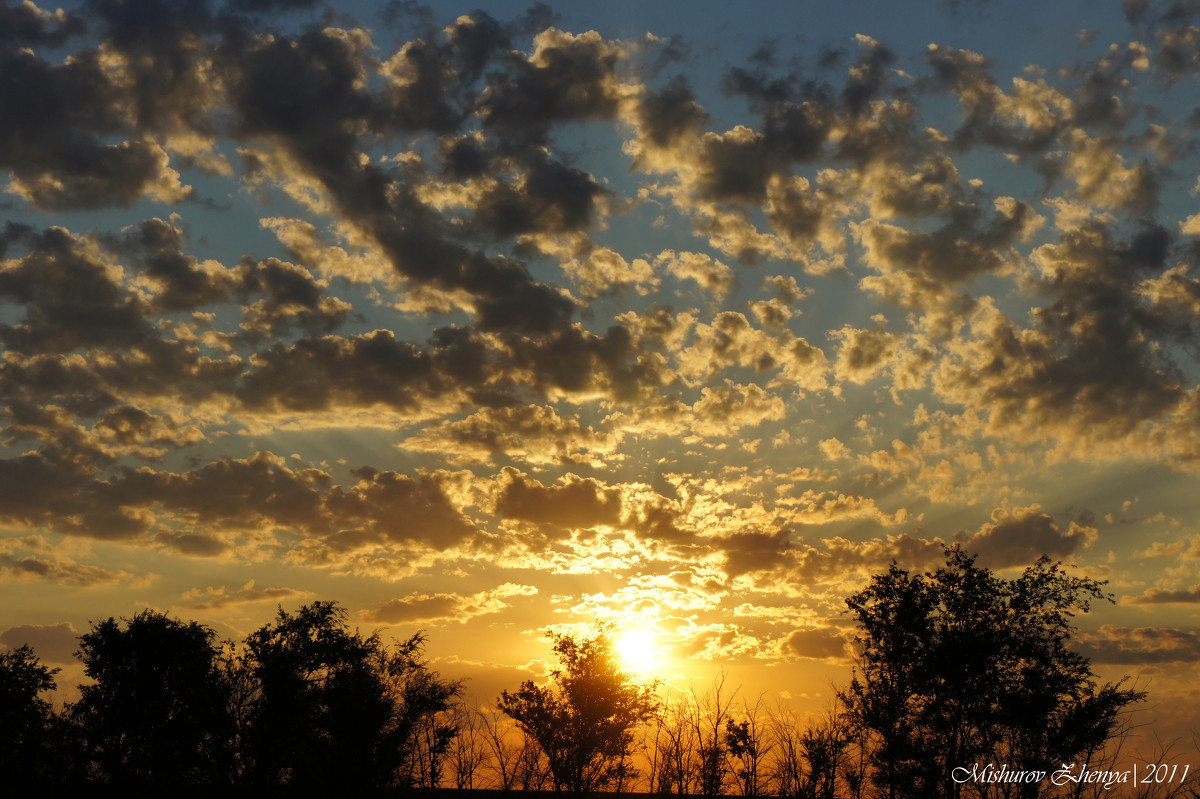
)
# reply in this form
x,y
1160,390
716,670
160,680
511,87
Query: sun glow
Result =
x,y
638,650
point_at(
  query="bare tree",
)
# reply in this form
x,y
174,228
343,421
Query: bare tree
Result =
x,y
503,742
676,749
469,749
533,767
824,760
713,713
749,745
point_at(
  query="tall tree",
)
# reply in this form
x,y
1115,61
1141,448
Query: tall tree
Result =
x,y
584,720
26,721
157,708
335,709
959,666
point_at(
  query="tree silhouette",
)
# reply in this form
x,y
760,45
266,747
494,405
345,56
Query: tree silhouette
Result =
x,y
157,709
27,740
584,720
423,722
332,708
960,666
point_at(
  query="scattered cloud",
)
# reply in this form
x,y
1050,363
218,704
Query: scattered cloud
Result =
x,y
446,297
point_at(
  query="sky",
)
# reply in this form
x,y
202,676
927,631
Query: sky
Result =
x,y
665,314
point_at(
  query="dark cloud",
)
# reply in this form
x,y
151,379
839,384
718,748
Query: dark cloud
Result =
x,y
1174,26
320,373
416,609
869,77
92,128
155,368
52,489
547,197
567,78
1159,596
777,557
53,643
292,299
1019,537
659,520
667,113
432,78
193,544
571,503
166,61
55,146
71,297
271,6
400,508
817,643
1026,120
231,491
1125,646
735,166
27,25
528,432
753,552
184,283
277,86
921,269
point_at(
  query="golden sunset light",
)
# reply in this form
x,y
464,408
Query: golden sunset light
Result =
x,y
639,651
766,355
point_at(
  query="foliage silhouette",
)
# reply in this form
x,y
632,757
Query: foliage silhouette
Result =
x,y
424,719
955,667
157,709
27,723
584,720
332,708
960,666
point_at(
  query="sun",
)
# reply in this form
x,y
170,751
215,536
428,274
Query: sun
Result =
x,y
638,650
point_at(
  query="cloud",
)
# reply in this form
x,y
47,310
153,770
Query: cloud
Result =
x,y
1139,645
66,571
731,341
220,597
73,298
52,643
716,642
863,353
1020,536
1159,596
732,407
709,273
424,608
531,433
605,270
573,502
1102,177
771,558
630,315
815,643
